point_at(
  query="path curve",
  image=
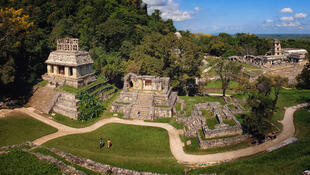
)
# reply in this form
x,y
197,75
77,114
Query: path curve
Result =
x,y
176,145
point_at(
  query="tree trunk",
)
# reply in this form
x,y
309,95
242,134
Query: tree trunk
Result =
x,y
224,92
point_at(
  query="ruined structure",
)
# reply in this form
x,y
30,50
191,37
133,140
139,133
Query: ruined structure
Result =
x,y
149,95
222,135
68,65
286,62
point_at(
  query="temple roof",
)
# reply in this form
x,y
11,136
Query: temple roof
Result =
x,y
77,58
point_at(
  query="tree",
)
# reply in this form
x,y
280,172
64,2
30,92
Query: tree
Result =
x,y
303,78
227,71
14,26
89,106
162,55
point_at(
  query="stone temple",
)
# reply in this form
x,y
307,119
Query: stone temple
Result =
x,y
68,65
149,95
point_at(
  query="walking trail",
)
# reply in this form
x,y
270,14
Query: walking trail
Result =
x,y
176,145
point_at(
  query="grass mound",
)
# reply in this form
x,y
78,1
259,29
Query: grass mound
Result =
x,y
19,128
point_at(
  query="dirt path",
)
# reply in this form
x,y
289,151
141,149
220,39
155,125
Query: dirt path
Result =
x,y
176,145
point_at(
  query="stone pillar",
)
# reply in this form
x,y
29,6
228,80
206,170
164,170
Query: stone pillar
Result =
x,y
49,69
74,72
66,71
56,70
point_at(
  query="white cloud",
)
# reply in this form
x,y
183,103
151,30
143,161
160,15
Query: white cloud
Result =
x,y
290,24
269,21
169,9
287,18
286,10
301,15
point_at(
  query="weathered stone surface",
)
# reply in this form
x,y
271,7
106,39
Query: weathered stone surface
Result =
x,y
146,95
97,167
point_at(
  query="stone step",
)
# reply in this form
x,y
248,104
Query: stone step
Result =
x,y
69,113
66,108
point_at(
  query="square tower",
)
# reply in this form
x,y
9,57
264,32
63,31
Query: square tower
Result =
x,y
276,48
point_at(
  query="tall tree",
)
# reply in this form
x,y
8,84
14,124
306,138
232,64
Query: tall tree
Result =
x,y
227,71
303,78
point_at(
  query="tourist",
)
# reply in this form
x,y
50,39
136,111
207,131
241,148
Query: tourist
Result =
x,y
151,117
109,143
138,114
101,143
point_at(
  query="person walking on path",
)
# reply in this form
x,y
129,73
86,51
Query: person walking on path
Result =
x,y
109,143
138,114
151,116
101,143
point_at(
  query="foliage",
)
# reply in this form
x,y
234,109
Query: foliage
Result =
x,y
227,72
139,148
89,106
304,77
162,55
20,162
19,128
263,101
239,44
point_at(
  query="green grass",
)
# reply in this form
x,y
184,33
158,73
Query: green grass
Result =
x,y
81,123
178,107
211,122
19,128
45,151
70,89
230,122
20,162
207,114
291,159
161,106
122,103
217,84
194,148
43,83
134,147
171,121
191,101
289,98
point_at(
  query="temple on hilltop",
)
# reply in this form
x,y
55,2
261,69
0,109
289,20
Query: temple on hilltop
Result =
x,y
147,95
69,65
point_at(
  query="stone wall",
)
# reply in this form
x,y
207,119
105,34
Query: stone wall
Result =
x,y
222,131
206,144
67,105
96,166
162,112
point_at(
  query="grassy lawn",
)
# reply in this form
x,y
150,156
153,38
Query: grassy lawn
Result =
x,y
171,121
134,147
81,123
19,128
191,101
289,98
291,159
20,162
217,84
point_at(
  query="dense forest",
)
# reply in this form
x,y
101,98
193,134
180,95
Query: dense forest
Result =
x,y
120,36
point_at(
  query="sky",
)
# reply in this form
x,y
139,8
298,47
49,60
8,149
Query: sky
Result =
x,y
235,16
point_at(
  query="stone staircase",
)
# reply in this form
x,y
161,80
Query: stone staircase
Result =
x,y
67,105
44,99
143,105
